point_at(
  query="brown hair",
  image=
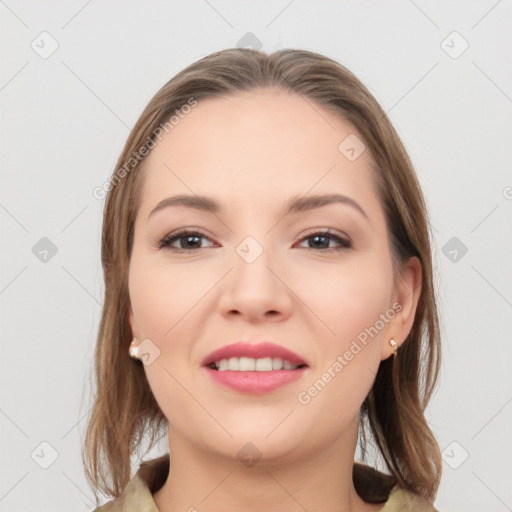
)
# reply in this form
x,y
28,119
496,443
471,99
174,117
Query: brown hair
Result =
x,y
124,409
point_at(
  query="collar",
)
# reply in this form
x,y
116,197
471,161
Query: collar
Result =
x,y
372,485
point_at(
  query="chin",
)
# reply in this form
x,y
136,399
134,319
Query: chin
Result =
x,y
270,444
256,449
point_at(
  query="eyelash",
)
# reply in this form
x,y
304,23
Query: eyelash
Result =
x,y
165,242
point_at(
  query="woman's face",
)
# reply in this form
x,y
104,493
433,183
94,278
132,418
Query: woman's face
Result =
x,y
257,272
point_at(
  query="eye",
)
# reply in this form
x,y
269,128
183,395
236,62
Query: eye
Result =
x,y
320,240
190,239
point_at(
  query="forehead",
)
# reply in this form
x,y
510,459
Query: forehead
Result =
x,y
257,147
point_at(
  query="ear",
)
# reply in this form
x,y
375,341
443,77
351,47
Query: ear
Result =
x,y
405,301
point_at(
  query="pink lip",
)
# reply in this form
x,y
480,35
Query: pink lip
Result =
x,y
254,382
243,349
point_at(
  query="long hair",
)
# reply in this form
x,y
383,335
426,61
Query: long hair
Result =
x,y
124,409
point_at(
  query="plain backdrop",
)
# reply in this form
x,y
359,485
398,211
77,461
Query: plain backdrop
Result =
x,y
76,74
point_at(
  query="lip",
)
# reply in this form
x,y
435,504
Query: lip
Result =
x,y
254,382
260,350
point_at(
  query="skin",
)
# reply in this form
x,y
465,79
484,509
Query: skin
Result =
x,y
252,152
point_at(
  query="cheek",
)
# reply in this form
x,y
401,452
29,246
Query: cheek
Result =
x,y
351,301
161,295
350,298
161,302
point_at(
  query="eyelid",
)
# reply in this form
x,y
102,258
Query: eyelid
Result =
x,y
179,233
343,240
330,231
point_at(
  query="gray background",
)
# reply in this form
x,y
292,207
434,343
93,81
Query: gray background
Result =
x,y
65,117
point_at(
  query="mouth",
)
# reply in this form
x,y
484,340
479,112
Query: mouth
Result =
x,y
247,357
250,364
254,369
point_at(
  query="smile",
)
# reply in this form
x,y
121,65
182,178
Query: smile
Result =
x,y
250,364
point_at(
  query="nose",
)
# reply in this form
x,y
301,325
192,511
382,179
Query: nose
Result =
x,y
256,289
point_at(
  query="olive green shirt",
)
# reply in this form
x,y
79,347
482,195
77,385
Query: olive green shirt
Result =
x,y
373,486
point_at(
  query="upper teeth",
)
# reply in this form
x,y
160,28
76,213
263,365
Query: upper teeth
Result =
x,y
248,364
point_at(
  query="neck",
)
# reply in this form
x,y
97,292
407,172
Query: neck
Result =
x,y
206,482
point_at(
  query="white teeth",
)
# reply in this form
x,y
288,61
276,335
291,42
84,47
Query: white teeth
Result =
x,y
287,365
233,363
246,364
277,363
264,364
249,364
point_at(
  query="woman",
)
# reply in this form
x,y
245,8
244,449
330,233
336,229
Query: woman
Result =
x,y
267,267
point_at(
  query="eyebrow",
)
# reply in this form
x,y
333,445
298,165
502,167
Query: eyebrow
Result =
x,y
295,204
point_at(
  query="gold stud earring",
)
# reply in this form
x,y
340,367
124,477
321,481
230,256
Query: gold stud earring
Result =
x,y
394,345
134,349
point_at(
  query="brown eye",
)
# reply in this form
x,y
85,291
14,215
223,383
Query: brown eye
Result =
x,y
188,241
191,240
322,239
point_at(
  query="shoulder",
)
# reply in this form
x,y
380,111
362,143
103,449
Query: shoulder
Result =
x,y
406,501
136,497
381,488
